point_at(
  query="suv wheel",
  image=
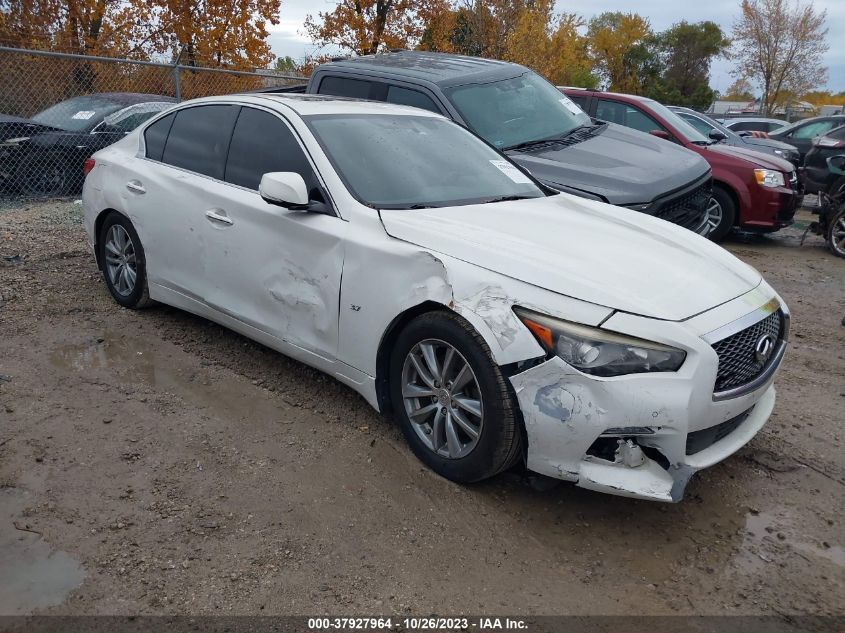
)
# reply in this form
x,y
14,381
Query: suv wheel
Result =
x,y
721,213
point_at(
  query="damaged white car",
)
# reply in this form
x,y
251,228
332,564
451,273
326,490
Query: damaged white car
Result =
x,y
498,321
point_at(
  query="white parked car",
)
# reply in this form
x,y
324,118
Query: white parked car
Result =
x,y
497,320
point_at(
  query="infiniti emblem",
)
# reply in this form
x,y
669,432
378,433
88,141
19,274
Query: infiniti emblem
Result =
x,y
764,347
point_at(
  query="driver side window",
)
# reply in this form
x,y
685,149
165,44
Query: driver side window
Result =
x,y
812,130
262,143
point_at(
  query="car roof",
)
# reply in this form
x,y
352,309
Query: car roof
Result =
x,y
309,104
746,119
616,95
442,69
129,98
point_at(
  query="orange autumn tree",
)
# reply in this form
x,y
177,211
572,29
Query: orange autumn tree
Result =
x,y
227,33
365,27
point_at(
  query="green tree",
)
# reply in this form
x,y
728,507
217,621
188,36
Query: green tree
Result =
x,y
686,52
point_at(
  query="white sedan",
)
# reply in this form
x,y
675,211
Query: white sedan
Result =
x,y
498,321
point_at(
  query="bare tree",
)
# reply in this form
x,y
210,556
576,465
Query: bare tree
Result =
x,y
780,45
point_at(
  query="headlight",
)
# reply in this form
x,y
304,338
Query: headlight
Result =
x,y
769,178
780,152
15,141
599,352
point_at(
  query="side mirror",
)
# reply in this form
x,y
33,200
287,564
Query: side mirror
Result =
x,y
661,134
744,133
285,189
836,164
717,135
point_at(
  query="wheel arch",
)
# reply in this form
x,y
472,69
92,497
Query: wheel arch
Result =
x,y
731,191
98,225
388,339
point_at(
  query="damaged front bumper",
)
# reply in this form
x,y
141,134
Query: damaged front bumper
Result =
x,y
639,435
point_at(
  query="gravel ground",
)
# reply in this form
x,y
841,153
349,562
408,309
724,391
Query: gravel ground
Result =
x,y
154,463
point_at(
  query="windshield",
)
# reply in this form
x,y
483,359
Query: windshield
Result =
x,y
517,110
684,129
77,114
405,162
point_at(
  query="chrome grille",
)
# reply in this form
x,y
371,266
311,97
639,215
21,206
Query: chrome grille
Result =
x,y
688,209
738,364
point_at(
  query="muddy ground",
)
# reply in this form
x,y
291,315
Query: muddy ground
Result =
x,y
153,462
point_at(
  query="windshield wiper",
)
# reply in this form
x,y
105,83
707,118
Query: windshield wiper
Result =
x,y
506,199
553,139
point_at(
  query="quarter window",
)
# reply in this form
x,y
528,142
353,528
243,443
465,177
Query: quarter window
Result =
x,y
406,96
199,139
262,143
155,137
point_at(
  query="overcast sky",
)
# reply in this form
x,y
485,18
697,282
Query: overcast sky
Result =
x,y
288,38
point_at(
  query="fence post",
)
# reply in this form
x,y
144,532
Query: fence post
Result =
x,y
177,77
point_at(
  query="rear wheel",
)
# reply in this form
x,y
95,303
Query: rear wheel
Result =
x,y
836,233
123,262
453,403
721,214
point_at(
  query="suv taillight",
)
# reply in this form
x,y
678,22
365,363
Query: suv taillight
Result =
x,y
88,166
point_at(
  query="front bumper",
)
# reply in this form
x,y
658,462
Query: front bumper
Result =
x,y
652,423
774,208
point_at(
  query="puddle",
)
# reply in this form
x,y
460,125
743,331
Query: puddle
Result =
x,y
136,360
34,574
768,537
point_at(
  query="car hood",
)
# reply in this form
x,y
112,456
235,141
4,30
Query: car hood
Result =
x,y
15,127
601,254
758,159
769,143
620,165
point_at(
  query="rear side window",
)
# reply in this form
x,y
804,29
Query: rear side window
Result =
x,y
812,130
199,139
155,137
702,126
345,87
406,96
838,133
262,143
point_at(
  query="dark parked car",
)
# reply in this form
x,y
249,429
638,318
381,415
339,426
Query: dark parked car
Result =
x,y
43,156
763,125
817,173
721,134
802,133
523,115
753,191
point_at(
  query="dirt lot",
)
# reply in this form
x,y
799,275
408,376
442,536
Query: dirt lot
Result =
x,y
153,462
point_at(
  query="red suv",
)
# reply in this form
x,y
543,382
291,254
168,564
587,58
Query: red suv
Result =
x,y
752,191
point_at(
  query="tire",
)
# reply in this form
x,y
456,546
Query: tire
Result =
x,y
114,259
836,233
721,212
499,440
837,187
44,176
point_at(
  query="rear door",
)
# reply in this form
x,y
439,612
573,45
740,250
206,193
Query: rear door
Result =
x,y
179,186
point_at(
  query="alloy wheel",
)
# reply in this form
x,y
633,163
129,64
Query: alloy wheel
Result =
x,y
714,214
837,236
121,263
442,398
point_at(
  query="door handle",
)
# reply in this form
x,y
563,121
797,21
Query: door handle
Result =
x,y
136,186
219,215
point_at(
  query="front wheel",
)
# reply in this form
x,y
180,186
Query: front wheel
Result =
x,y
836,233
453,403
721,213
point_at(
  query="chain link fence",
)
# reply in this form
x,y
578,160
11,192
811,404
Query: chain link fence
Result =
x,y
56,109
